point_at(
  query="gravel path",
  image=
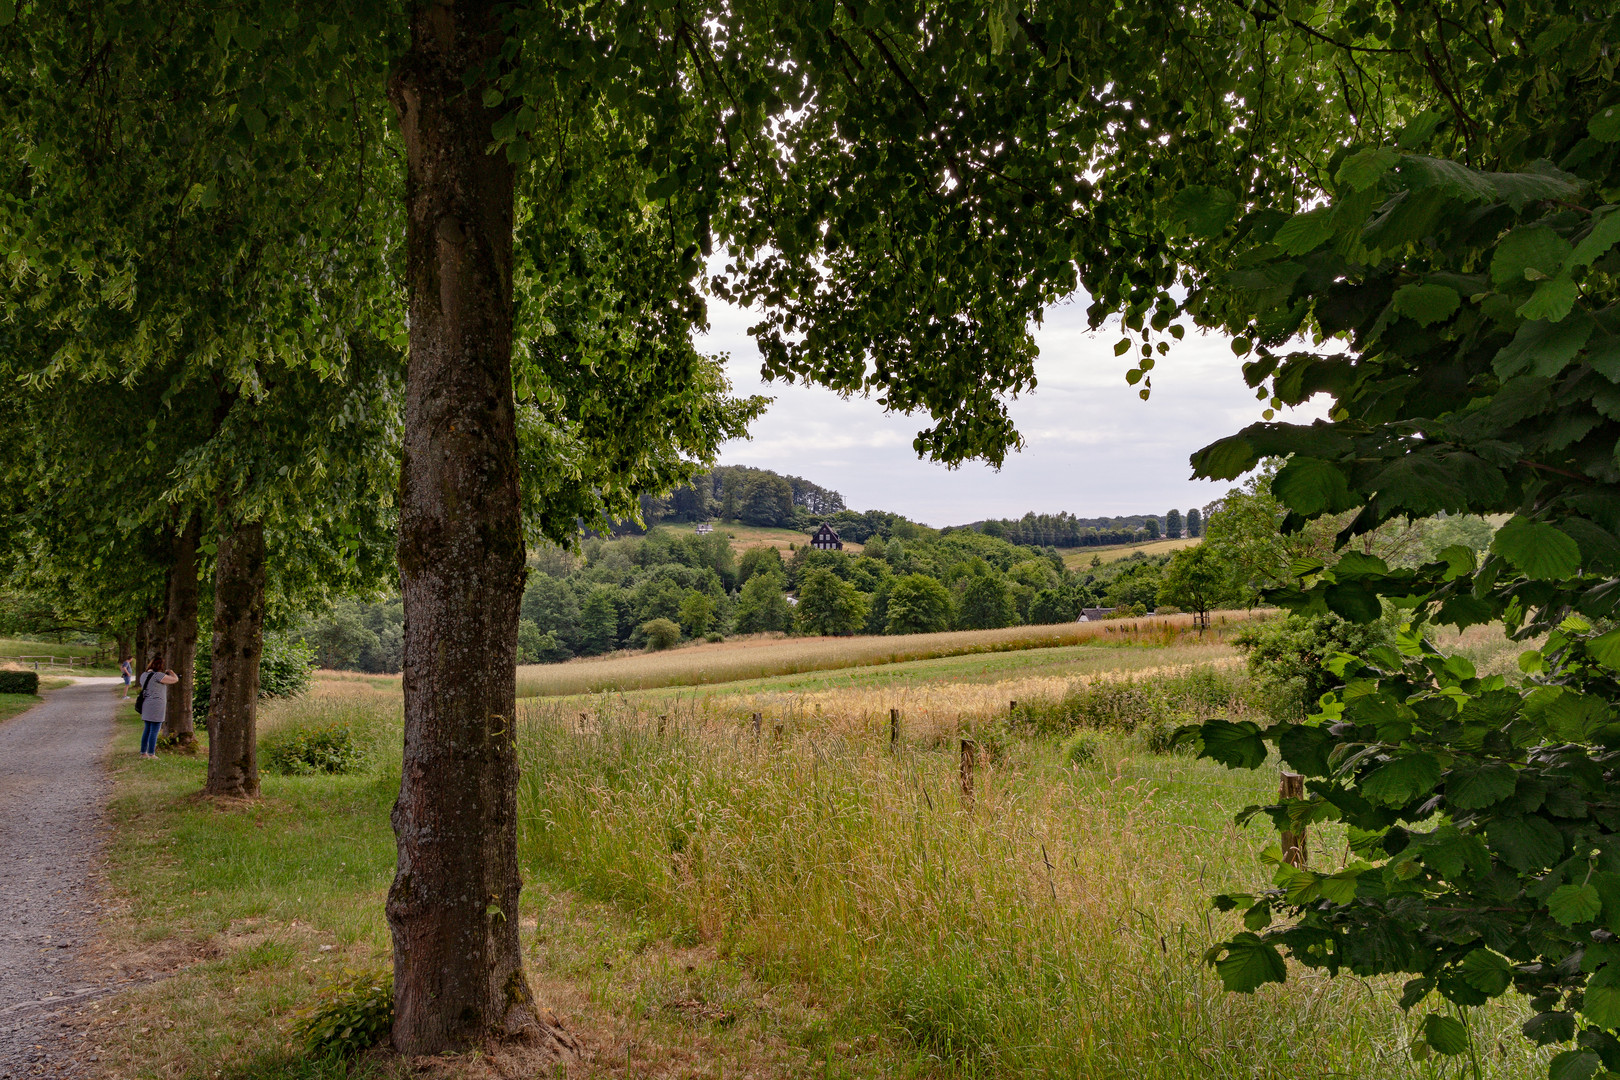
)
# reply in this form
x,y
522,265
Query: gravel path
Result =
x,y
53,790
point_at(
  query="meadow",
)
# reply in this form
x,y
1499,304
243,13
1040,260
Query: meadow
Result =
x,y
743,537
51,656
710,897
1080,558
766,656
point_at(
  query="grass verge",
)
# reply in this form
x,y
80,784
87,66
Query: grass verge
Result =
x,y
15,704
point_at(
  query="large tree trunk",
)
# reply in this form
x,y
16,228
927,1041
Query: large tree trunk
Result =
x,y
233,699
453,907
121,644
180,634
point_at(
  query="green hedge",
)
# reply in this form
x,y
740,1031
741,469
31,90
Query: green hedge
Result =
x,y
19,682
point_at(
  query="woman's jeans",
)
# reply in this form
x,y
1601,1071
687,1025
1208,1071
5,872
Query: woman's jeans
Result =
x,y
149,737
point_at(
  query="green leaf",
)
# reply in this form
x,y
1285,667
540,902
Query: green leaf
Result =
x,y
1536,249
1538,549
1543,348
1452,177
1601,1005
1486,972
1427,304
1398,782
1568,714
254,119
1311,486
1525,843
1446,1034
1420,129
1605,649
1605,126
1545,1028
1203,211
1571,904
1574,1065
1305,232
1475,789
8,12
1249,963
1235,745
1592,247
1362,169
1353,601
1225,459
1551,301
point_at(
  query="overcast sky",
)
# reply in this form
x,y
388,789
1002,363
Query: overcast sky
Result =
x,y
1094,448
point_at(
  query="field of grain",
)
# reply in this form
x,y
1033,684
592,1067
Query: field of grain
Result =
x,y
765,656
1080,558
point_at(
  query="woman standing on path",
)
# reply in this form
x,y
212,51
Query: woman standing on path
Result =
x,y
155,683
126,668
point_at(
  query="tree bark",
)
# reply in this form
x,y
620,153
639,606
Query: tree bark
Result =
x,y
453,907
233,699
148,638
180,634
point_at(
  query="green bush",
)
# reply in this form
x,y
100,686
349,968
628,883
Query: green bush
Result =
x,y
348,1017
714,637
284,671
19,682
1126,704
1287,657
1079,749
305,751
1158,734
660,634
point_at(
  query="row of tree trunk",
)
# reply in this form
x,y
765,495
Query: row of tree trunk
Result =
x,y
170,631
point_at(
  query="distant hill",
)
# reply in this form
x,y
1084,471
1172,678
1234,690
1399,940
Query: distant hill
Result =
x,y
770,500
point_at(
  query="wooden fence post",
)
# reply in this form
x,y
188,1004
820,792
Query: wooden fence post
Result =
x,y
970,759
779,732
758,720
1293,843
663,718
894,731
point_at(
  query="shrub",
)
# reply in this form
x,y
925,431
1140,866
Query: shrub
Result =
x,y
348,1017
19,682
1126,704
660,634
1158,734
714,637
1079,749
305,751
1287,655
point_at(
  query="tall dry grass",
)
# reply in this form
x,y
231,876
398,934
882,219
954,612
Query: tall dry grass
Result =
x,y
763,657
1055,928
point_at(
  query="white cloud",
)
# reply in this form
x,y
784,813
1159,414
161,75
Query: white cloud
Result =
x,y
1093,447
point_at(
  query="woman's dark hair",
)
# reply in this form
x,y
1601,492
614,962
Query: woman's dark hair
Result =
x,y
157,662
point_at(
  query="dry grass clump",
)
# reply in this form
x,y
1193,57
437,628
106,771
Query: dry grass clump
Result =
x,y
1054,927
762,657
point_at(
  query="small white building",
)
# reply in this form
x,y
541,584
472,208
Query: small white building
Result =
x,y
704,527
